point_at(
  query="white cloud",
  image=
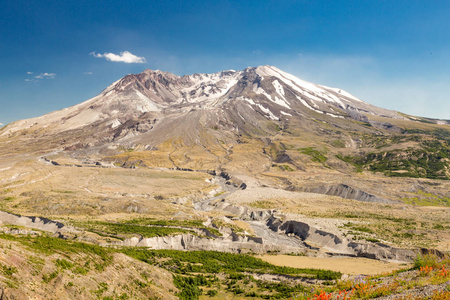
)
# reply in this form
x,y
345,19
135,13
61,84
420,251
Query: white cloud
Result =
x,y
88,73
1,124
40,76
45,75
49,75
257,51
124,56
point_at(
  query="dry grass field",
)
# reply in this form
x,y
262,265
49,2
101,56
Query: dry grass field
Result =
x,y
35,188
345,265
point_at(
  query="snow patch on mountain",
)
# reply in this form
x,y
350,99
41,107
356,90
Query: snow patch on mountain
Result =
x,y
288,79
267,111
334,116
278,87
310,90
281,102
210,86
115,123
302,87
250,101
313,97
260,91
309,106
343,93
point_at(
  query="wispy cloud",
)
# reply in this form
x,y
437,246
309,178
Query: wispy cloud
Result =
x,y
36,77
1,124
45,75
124,56
88,73
257,51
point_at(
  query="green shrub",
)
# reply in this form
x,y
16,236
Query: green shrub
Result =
x,y
429,161
215,262
429,260
316,155
7,271
47,278
64,264
338,144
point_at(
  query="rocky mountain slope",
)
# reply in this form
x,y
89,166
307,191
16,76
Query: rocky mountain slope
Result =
x,y
205,121
265,90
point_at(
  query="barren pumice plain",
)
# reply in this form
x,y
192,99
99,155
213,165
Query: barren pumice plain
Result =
x,y
162,188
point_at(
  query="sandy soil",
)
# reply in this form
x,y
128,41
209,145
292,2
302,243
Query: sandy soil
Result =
x,y
346,265
444,245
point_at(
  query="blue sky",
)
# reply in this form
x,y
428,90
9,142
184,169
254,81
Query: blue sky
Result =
x,y
394,54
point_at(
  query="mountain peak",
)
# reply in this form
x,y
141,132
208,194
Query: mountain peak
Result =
x,y
263,91
200,113
151,72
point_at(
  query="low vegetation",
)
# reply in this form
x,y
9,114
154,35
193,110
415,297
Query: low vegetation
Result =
x,y
120,230
428,270
403,232
422,198
316,155
431,160
185,262
151,227
200,274
98,257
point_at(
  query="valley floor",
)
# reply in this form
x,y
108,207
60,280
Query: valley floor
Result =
x,y
93,222
345,265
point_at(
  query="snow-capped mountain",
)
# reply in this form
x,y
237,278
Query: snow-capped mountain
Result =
x,y
213,121
265,90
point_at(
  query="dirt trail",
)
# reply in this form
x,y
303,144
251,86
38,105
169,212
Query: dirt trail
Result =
x,y
345,265
227,190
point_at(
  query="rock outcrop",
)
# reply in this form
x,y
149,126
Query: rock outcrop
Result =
x,y
309,234
386,126
383,252
339,245
43,224
278,235
57,229
232,243
347,192
308,237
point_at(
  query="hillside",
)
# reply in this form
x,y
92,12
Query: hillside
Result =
x,y
177,176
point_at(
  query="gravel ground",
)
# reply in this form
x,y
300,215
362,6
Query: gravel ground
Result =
x,y
420,293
